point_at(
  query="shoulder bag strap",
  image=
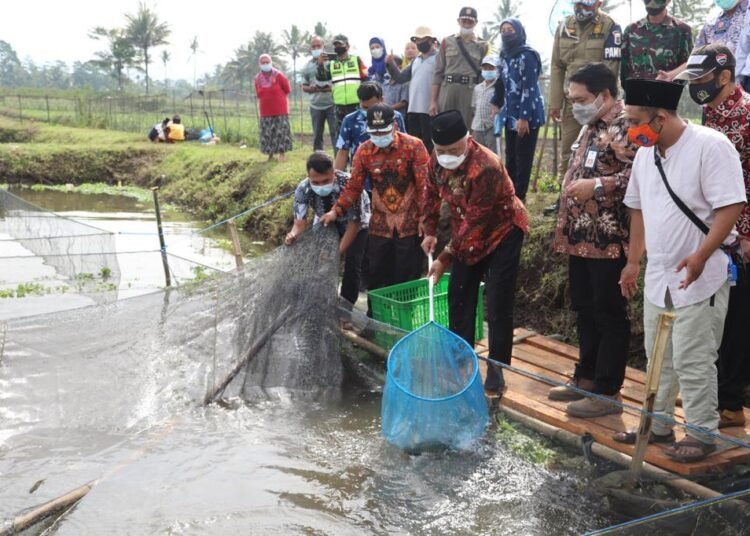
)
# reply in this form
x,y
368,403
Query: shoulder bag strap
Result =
x,y
682,206
467,57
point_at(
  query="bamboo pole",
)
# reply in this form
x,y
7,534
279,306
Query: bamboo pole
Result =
x,y
538,170
216,391
236,247
663,332
162,244
43,511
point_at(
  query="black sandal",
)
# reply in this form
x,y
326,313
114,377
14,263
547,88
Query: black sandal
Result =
x,y
703,449
630,438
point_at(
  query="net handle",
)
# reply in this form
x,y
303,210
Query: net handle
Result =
x,y
431,287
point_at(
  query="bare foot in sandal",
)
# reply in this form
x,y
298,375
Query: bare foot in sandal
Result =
x,y
690,450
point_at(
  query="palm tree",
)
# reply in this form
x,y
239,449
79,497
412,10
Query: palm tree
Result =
x,y
119,55
165,57
321,30
146,32
506,9
194,56
244,65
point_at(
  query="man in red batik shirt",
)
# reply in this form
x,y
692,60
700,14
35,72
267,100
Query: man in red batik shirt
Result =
x,y
488,223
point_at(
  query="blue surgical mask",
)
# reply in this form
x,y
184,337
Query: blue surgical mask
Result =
x,y
726,5
382,141
323,190
316,53
489,75
266,67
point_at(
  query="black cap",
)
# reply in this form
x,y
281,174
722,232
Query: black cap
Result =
x,y
448,127
707,59
467,13
340,38
653,93
379,118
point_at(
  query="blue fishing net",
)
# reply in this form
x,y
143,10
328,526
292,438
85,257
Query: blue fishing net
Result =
x,y
433,395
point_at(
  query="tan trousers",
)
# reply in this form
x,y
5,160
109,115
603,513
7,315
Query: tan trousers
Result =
x,y
689,361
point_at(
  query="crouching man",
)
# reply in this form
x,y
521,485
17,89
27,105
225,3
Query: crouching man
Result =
x,y
488,223
320,191
685,194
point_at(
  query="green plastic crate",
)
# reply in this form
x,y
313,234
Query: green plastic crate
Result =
x,y
407,305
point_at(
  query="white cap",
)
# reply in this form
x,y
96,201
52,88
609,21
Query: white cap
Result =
x,y
489,60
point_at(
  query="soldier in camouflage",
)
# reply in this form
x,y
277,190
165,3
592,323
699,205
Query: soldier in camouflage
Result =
x,y
657,43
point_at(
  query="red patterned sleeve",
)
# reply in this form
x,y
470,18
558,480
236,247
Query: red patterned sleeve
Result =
x,y
356,183
486,188
431,201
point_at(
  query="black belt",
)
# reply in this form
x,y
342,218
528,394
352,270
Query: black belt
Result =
x,y
458,79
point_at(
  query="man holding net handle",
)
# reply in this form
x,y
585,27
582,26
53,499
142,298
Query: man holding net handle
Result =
x,y
488,223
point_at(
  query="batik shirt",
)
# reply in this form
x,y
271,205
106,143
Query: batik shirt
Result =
x,y
482,201
732,118
305,199
724,29
648,48
598,229
398,173
523,99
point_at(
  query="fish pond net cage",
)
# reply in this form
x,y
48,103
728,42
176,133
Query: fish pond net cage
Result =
x,y
125,371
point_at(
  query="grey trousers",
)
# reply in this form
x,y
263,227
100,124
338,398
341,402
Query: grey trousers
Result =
x,y
486,138
689,362
319,120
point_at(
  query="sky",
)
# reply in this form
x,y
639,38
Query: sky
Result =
x,y
47,30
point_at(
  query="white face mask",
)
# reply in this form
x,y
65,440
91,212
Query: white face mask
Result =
x,y
376,53
449,161
586,114
466,31
316,53
266,67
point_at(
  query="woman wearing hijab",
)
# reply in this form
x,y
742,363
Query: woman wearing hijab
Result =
x,y
377,51
523,109
272,89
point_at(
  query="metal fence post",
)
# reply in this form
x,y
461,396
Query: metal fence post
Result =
x,y
20,110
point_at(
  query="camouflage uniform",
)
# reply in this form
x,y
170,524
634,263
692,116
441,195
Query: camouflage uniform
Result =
x,y
648,48
576,45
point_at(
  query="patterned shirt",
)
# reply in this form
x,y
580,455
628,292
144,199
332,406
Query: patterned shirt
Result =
x,y
353,131
648,48
398,173
725,29
523,99
483,204
598,229
732,118
480,101
305,198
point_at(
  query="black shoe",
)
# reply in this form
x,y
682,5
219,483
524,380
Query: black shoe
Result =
x,y
553,209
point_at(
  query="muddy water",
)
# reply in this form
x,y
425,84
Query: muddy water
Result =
x,y
263,468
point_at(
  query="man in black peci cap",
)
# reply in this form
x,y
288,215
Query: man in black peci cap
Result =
x,y
488,223
711,74
397,165
685,194
458,68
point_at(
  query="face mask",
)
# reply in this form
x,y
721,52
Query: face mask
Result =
x,y
322,190
510,40
316,53
424,47
448,161
382,141
655,11
586,114
489,75
339,50
266,67
726,5
466,31
706,92
584,14
376,53
643,135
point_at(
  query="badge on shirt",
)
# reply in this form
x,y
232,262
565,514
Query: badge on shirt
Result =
x,y
592,155
613,44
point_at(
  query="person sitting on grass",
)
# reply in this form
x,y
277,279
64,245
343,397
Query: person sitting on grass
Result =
x,y
159,131
320,191
176,131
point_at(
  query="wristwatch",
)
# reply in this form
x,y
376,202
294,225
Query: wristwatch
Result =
x,y
598,189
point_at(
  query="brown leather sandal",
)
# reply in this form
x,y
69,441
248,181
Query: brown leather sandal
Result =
x,y
697,450
630,437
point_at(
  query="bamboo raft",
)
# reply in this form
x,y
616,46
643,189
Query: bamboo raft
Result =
x,y
548,358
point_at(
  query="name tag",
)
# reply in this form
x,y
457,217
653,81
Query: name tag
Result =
x,y
591,157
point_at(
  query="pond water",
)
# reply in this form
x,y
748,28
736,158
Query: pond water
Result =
x,y
275,467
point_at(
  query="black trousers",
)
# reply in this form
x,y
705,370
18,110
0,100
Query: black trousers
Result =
x,y
500,271
519,158
393,260
343,111
418,125
734,353
353,267
602,321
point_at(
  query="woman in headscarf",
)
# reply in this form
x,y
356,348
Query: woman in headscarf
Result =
x,y
273,89
377,51
410,53
523,108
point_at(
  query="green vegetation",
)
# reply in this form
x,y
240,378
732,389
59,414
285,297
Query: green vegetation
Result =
x,y
526,444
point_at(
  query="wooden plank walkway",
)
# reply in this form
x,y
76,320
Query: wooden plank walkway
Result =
x,y
552,359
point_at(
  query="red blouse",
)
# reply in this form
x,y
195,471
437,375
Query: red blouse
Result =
x,y
272,90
